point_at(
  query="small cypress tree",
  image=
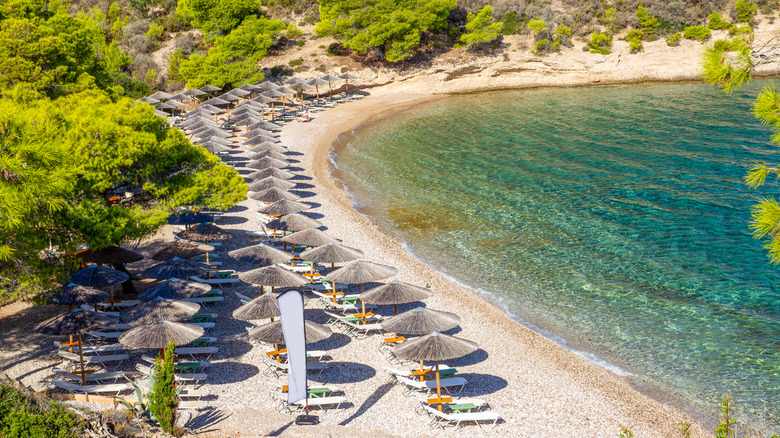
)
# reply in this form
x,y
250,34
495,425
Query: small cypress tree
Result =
x,y
163,400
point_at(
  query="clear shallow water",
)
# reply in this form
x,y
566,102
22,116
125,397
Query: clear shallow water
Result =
x,y
613,217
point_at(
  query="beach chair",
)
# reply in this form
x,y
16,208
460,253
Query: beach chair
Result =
x,y
205,300
444,370
479,404
443,419
92,349
204,317
203,341
195,351
100,378
185,391
452,385
278,369
221,282
362,330
179,377
115,388
123,303
88,360
243,298
193,405
103,336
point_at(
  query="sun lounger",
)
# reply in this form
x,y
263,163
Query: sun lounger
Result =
x,y
195,351
452,385
185,391
100,378
221,282
205,300
202,341
243,298
183,366
408,373
118,358
324,403
362,330
277,369
123,303
442,419
192,404
114,388
179,377
92,349
204,317
104,336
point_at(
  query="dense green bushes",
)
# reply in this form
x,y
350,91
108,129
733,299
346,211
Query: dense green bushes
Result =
x,y
233,58
634,39
698,33
215,16
391,29
480,28
22,416
600,43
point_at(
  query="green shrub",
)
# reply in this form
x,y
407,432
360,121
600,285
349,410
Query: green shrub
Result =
x,y
511,23
336,49
293,31
23,416
300,43
546,40
674,40
295,62
649,24
698,33
634,39
611,21
480,28
281,70
155,32
163,400
301,69
716,21
746,10
722,45
175,59
600,43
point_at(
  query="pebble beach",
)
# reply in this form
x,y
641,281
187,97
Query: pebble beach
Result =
x,y
539,388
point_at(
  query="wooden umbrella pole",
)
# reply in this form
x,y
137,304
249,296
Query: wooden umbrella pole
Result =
x,y
422,367
70,343
81,360
311,278
395,309
362,304
438,385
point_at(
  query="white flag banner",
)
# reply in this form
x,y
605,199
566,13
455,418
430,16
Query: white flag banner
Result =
x,y
291,310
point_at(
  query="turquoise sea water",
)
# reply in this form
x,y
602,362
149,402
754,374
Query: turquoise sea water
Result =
x,y
614,219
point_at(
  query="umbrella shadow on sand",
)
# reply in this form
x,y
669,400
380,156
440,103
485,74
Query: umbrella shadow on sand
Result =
x,y
299,177
304,193
312,214
237,209
291,153
482,384
344,372
232,220
230,372
205,422
301,185
469,359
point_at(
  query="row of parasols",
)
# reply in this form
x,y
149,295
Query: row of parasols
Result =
x,y
263,93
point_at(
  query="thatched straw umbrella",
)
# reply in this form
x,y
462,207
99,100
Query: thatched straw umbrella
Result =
x,y
273,276
330,78
267,145
176,289
194,92
264,163
206,233
99,276
214,148
189,217
182,249
267,183
176,268
265,125
260,255
311,238
159,333
272,171
111,255
347,77
272,333
262,153
161,95
332,253
436,347
361,272
76,322
317,82
396,293
74,294
261,307
421,321
285,206
217,140
293,222
273,194
157,309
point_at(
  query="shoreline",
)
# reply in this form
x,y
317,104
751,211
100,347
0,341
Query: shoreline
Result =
x,y
645,408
